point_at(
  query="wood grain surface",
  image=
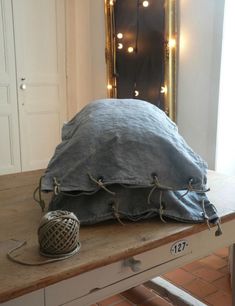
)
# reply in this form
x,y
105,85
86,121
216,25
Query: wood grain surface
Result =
x,y
102,244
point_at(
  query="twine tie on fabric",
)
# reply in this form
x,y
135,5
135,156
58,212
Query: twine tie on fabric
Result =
x,y
205,214
56,186
219,229
40,201
116,213
156,185
57,190
100,183
183,195
218,223
161,207
190,189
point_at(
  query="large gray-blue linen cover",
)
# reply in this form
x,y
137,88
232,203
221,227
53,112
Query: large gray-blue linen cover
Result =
x,y
131,148
123,141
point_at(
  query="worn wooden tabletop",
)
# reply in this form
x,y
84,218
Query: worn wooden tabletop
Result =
x,y
101,244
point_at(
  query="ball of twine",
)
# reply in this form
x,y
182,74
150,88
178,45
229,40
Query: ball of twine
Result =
x,y
58,234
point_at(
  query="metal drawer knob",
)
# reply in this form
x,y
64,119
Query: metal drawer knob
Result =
x,y
133,264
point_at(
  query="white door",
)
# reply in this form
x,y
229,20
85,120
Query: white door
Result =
x,y
9,127
39,28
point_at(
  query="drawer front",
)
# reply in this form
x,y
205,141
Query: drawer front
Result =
x,y
35,298
99,278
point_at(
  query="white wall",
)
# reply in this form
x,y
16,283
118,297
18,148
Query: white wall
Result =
x,y
225,161
83,53
99,80
201,24
86,53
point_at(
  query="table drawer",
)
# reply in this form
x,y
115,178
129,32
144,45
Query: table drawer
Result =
x,y
81,285
35,298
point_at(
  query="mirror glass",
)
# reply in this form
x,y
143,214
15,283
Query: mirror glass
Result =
x,y
141,50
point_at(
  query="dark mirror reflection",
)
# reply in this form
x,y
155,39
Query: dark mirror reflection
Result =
x,y
141,51
139,28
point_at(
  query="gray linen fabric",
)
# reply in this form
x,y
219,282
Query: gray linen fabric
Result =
x,y
123,141
132,204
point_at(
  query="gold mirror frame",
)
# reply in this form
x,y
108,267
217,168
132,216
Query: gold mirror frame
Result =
x,y
170,60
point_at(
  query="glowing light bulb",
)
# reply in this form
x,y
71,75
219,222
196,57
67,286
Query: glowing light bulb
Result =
x,y
172,43
163,89
111,2
145,3
130,49
109,86
119,35
120,46
136,93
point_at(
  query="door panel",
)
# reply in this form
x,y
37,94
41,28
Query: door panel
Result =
x,y
5,141
50,123
40,55
9,126
41,97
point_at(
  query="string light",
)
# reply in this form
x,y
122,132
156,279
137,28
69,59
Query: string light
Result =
x,y
172,43
130,49
145,3
136,93
120,46
119,35
109,86
163,89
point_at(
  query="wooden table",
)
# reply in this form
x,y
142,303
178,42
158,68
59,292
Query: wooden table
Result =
x,y
113,257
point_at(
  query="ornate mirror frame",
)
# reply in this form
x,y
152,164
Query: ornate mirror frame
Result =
x,y
170,54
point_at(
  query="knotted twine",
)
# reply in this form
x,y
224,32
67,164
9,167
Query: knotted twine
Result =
x,y
58,237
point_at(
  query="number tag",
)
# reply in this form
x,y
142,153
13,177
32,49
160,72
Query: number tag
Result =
x,y
179,247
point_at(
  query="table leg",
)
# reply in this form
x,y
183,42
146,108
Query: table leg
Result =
x,y
232,271
176,295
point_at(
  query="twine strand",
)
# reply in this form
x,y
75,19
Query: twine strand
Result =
x,y
101,184
56,186
156,185
161,207
38,190
10,256
219,229
116,213
205,214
